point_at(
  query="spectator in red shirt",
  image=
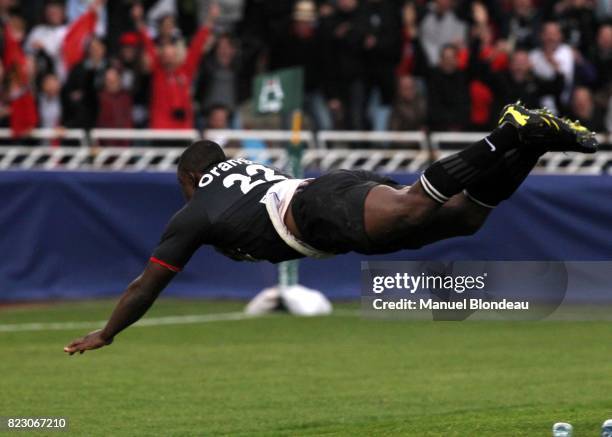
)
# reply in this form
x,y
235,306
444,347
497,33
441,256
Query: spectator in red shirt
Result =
x,y
115,104
20,71
493,56
171,97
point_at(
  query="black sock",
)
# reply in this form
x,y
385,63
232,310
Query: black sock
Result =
x,y
451,175
502,181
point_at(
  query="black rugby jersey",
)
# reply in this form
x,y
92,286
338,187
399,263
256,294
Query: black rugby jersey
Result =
x,y
227,212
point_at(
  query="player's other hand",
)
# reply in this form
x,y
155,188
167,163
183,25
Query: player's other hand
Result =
x,y
93,340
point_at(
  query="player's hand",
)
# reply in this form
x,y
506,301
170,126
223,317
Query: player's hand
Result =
x,y
93,340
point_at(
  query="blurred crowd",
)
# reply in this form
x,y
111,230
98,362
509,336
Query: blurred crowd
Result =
x,y
441,65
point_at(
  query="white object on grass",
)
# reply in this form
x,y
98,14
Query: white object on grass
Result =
x,y
303,301
264,302
297,299
562,429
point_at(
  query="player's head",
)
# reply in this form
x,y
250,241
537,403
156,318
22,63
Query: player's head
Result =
x,y
194,161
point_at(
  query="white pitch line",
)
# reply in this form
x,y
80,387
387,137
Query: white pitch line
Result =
x,y
152,321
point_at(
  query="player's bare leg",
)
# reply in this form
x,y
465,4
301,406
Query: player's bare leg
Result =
x,y
409,219
455,195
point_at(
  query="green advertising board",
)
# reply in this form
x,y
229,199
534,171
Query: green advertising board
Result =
x,y
278,91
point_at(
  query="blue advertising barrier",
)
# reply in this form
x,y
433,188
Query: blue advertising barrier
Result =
x,y
82,235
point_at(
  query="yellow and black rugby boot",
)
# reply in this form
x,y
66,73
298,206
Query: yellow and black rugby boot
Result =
x,y
532,130
540,128
515,114
574,137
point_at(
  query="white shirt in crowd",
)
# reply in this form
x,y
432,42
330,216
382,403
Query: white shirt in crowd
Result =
x,y
437,30
50,111
51,39
564,56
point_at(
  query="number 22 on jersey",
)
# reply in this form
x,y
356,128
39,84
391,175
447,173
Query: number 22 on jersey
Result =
x,y
247,182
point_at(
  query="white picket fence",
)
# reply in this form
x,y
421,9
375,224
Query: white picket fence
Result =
x,y
159,150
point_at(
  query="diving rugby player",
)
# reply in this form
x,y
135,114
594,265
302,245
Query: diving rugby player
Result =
x,y
250,211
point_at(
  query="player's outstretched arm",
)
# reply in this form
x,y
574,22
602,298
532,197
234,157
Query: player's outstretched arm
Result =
x,y
135,301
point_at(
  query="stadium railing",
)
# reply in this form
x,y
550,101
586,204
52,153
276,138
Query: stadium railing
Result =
x,y
158,150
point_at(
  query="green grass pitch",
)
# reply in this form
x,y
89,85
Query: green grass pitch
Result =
x,y
287,376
